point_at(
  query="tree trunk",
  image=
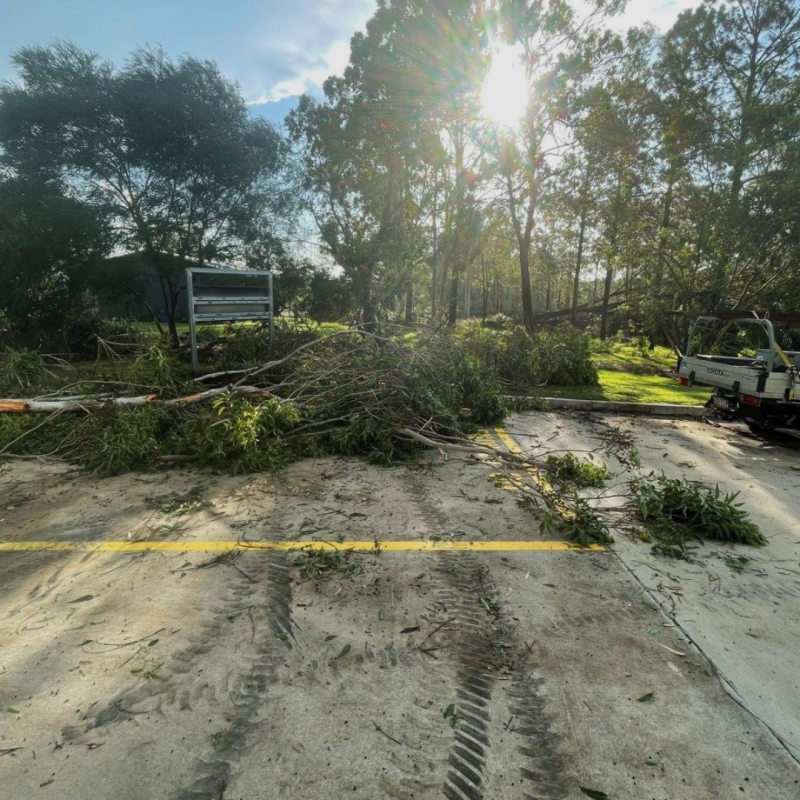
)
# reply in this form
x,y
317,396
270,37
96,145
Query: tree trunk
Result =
x,y
578,264
606,295
452,313
525,278
435,253
484,290
368,318
171,307
409,303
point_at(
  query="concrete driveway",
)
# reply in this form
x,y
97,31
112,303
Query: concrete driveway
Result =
x,y
449,663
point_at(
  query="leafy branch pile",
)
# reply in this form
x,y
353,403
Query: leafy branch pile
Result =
x,y
569,469
523,360
676,511
350,394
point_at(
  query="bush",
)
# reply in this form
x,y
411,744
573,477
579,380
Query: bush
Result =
x,y
560,356
79,333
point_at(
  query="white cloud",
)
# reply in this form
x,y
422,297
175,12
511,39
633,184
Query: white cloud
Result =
x,y
308,77
659,13
314,43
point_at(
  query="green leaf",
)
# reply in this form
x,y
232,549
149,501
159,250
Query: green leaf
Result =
x,y
594,793
645,698
450,711
345,651
83,599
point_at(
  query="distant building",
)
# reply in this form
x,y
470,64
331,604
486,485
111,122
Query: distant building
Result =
x,y
133,288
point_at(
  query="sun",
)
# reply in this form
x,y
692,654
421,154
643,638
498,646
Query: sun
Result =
x,y
504,95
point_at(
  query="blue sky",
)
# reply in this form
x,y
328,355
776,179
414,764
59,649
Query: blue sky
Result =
x,y
275,49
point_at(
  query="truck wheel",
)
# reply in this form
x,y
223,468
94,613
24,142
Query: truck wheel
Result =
x,y
758,426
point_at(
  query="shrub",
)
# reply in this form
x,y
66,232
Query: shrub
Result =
x,y
560,356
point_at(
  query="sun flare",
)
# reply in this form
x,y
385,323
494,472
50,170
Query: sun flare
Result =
x,y
504,95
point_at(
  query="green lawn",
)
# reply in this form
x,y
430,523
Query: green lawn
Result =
x,y
629,374
626,356
628,387
149,326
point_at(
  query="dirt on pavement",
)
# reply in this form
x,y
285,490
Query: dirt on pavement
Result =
x,y
183,674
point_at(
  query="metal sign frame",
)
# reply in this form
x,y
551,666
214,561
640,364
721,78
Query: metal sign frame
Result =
x,y
214,304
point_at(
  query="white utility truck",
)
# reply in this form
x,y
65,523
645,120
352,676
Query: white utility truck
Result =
x,y
763,390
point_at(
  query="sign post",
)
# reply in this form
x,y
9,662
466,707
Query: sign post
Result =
x,y
227,295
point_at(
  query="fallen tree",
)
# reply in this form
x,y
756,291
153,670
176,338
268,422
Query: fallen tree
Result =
x,y
84,402
350,393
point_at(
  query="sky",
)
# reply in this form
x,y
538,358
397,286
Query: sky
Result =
x,y
275,49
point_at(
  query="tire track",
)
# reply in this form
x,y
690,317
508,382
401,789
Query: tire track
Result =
x,y
486,650
270,600
218,669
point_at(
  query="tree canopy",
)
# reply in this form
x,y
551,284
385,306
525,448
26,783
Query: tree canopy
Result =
x,y
165,147
639,173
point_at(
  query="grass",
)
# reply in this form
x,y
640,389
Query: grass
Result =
x,y
631,374
149,326
629,387
632,358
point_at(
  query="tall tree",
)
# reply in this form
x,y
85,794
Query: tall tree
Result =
x,y
557,49
166,146
51,249
731,69
398,117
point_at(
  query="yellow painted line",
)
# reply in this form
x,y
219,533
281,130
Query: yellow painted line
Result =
x,y
358,546
506,439
554,501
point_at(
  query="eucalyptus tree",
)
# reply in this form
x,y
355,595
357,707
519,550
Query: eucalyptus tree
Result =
x,y
351,145
733,69
616,132
166,146
558,50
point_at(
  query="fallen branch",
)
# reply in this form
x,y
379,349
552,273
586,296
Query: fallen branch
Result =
x,y
85,402
252,371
